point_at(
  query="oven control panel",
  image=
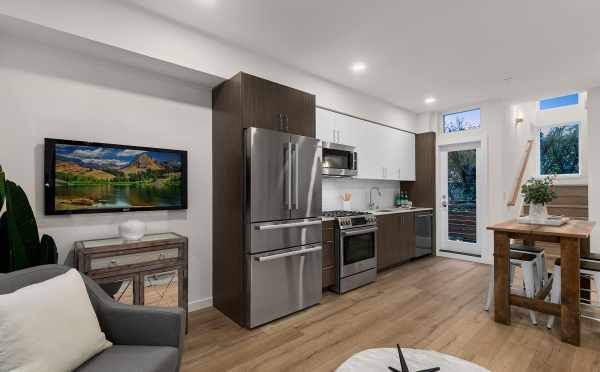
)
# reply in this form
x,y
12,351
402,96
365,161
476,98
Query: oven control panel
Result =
x,y
355,221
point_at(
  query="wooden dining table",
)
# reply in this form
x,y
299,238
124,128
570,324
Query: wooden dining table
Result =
x,y
573,238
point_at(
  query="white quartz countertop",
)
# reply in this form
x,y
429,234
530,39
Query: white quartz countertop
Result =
x,y
383,211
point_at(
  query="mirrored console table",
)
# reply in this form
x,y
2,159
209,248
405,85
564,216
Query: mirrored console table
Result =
x,y
152,271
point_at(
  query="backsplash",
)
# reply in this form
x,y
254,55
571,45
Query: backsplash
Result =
x,y
334,188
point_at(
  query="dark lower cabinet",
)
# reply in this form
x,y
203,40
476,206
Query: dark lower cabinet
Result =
x,y
396,241
328,255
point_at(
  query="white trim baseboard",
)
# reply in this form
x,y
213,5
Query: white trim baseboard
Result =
x,y
200,304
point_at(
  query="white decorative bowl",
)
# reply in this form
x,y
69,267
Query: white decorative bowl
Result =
x,y
132,230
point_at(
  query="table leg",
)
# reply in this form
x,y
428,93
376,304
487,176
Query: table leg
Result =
x,y
570,314
501,279
585,282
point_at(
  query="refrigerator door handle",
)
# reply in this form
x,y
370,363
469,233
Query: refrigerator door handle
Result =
x,y
288,254
296,166
288,198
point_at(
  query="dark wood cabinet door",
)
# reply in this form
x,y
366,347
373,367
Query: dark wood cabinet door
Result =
x,y
408,245
299,112
388,241
270,105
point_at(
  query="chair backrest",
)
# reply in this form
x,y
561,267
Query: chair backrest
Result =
x,y
16,280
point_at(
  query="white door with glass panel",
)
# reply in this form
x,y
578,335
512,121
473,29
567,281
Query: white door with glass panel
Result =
x,y
460,204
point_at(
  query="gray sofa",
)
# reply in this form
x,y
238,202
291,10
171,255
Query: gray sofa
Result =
x,y
146,339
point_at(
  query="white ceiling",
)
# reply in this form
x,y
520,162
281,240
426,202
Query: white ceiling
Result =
x,y
459,51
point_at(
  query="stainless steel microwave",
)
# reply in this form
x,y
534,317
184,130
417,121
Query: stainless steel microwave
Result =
x,y
339,160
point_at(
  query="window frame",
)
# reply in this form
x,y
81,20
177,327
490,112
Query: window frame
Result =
x,y
538,144
443,126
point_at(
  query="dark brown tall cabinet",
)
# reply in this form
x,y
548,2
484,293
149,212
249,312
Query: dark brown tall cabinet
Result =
x,y
422,191
240,102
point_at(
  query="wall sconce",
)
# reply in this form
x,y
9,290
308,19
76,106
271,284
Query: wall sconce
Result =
x,y
519,118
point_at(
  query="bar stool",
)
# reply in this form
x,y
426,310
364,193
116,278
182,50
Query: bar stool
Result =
x,y
589,265
527,262
542,272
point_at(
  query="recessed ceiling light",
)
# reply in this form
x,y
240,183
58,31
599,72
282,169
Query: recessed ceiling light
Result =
x,y
358,67
430,100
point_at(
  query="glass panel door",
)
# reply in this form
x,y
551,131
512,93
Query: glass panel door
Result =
x,y
460,199
121,290
161,288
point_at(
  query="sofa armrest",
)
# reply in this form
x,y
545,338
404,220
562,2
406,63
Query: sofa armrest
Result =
x,y
137,325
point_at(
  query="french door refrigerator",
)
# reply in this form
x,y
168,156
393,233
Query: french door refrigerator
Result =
x,y
283,223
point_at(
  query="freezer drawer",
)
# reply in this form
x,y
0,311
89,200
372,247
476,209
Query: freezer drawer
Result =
x,y
270,236
283,282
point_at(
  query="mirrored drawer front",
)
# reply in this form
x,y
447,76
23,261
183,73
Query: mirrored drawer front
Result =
x,y
134,258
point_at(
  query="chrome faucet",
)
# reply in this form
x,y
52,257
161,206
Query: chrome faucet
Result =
x,y
371,203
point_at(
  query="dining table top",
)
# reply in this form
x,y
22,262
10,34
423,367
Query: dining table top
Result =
x,y
579,229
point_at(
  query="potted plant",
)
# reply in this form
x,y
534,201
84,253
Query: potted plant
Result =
x,y
537,192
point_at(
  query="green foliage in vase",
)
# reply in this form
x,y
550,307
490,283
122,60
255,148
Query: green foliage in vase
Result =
x,y
539,191
20,245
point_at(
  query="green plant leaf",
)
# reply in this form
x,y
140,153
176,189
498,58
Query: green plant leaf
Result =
x,y
23,238
2,188
5,256
48,251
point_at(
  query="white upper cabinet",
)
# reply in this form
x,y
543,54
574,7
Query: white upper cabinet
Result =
x,y
384,153
326,126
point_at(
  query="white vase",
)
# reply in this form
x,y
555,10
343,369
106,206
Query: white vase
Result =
x,y
537,211
132,230
346,205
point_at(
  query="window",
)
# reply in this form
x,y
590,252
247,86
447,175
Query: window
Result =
x,y
550,103
559,150
459,121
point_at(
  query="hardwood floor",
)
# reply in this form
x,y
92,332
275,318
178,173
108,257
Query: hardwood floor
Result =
x,y
432,303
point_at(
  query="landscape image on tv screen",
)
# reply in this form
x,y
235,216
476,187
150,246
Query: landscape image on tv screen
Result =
x,y
88,177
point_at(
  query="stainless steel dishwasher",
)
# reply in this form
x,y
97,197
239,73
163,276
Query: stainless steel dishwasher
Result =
x,y
424,232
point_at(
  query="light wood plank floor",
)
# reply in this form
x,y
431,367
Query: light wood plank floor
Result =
x,y
432,303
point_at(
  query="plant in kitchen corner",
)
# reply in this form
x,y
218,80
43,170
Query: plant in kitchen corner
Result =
x,y
537,192
20,245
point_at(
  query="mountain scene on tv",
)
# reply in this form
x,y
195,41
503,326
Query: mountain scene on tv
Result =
x,y
99,177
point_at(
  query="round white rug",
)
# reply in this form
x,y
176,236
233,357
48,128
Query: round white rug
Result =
x,y
378,360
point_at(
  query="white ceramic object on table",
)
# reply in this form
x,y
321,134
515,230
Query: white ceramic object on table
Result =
x,y
346,205
537,211
378,360
132,230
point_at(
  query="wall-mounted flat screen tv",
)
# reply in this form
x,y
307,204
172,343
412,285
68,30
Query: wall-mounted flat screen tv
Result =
x,y
89,177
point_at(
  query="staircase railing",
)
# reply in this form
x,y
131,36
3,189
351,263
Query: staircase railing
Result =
x,y
519,180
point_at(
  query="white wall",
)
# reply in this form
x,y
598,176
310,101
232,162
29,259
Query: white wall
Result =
x,y
52,93
593,106
115,23
334,188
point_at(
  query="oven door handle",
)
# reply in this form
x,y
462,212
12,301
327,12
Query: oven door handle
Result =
x,y
289,254
359,232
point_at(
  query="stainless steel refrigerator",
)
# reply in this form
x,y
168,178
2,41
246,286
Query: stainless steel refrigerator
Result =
x,y
283,223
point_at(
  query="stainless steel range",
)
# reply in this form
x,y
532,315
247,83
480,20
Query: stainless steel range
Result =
x,y
355,249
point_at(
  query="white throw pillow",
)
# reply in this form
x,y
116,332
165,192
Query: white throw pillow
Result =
x,y
49,326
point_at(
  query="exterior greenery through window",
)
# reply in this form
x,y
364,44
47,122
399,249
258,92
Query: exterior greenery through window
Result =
x,y
464,120
559,150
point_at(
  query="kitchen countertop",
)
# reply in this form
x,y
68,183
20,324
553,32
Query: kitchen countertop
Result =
x,y
383,211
